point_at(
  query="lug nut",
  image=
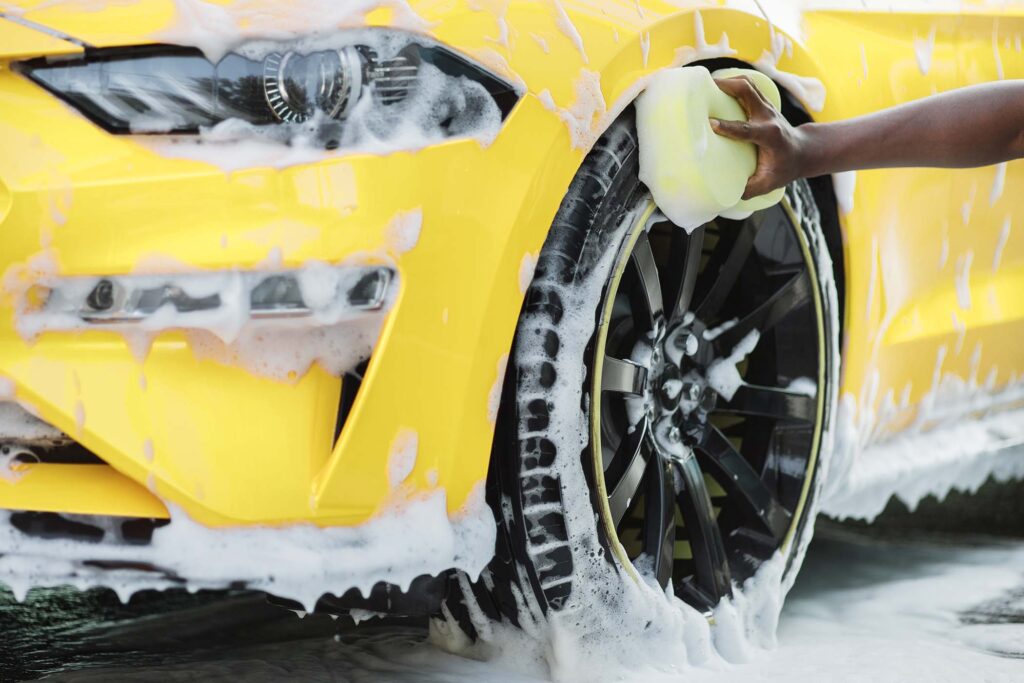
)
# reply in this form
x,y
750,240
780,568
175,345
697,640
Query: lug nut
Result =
x,y
691,344
694,392
674,435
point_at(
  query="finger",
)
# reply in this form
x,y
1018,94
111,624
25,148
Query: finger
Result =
x,y
736,130
766,105
741,88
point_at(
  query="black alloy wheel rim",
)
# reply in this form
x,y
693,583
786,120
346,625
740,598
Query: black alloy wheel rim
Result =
x,y
701,485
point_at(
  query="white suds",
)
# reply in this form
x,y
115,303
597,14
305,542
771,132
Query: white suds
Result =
x,y
403,233
407,539
615,626
701,49
494,395
586,116
968,205
335,333
17,424
946,450
526,268
79,417
963,280
541,42
147,450
437,107
218,29
6,389
863,62
923,51
503,31
714,332
944,253
601,633
568,28
1004,236
807,89
402,458
724,375
961,332
645,46
844,184
805,386
997,184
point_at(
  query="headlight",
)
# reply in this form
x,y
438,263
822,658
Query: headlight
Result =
x,y
366,84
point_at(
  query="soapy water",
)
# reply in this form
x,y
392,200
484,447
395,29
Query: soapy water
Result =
x,y
619,618
942,451
594,639
333,333
612,620
412,537
866,609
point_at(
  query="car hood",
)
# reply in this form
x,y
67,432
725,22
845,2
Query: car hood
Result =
x,y
111,23
217,25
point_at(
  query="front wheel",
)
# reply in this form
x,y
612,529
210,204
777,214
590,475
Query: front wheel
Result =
x,y
670,393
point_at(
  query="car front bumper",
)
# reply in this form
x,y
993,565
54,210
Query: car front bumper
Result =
x,y
224,444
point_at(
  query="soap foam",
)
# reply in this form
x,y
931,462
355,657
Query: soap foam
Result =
x,y
613,626
438,107
409,538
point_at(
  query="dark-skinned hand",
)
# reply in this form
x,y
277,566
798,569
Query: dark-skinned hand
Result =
x,y
779,145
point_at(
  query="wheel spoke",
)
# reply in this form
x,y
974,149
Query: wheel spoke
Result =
x,y
748,544
660,518
780,404
643,258
636,451
735,473
623,376
691,246
729,271
790,296
711,565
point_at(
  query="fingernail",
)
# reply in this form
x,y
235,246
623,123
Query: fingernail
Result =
x,y
715,123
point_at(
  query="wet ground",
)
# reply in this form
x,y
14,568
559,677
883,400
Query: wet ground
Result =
x,y
872,604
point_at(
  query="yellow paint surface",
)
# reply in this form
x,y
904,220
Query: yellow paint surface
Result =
x,y
234,448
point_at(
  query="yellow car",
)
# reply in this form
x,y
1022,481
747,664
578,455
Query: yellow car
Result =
x,y
332,299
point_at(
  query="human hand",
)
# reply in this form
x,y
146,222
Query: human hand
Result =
x,y
779,145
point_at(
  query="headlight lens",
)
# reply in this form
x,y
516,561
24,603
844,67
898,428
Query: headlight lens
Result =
x,y
383,79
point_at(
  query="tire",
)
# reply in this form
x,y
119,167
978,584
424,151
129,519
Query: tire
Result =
x,y
551,484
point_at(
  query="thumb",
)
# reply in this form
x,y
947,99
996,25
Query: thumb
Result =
x,y
760,183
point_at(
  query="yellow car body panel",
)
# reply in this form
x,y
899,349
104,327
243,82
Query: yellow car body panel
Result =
x,y
916,236
228,447
19,40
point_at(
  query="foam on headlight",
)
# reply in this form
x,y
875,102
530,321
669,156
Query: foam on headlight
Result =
x,y
335,92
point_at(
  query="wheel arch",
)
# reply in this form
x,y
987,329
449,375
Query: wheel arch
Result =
x,y
625,71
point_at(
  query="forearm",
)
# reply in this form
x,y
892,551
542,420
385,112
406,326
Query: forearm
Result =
x,y
973,126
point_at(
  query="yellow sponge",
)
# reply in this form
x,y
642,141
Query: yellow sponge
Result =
x,y
693,173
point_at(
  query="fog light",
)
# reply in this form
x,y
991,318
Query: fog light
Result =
x,y
318,294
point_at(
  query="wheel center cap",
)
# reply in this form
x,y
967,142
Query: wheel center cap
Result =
x,y
680,397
